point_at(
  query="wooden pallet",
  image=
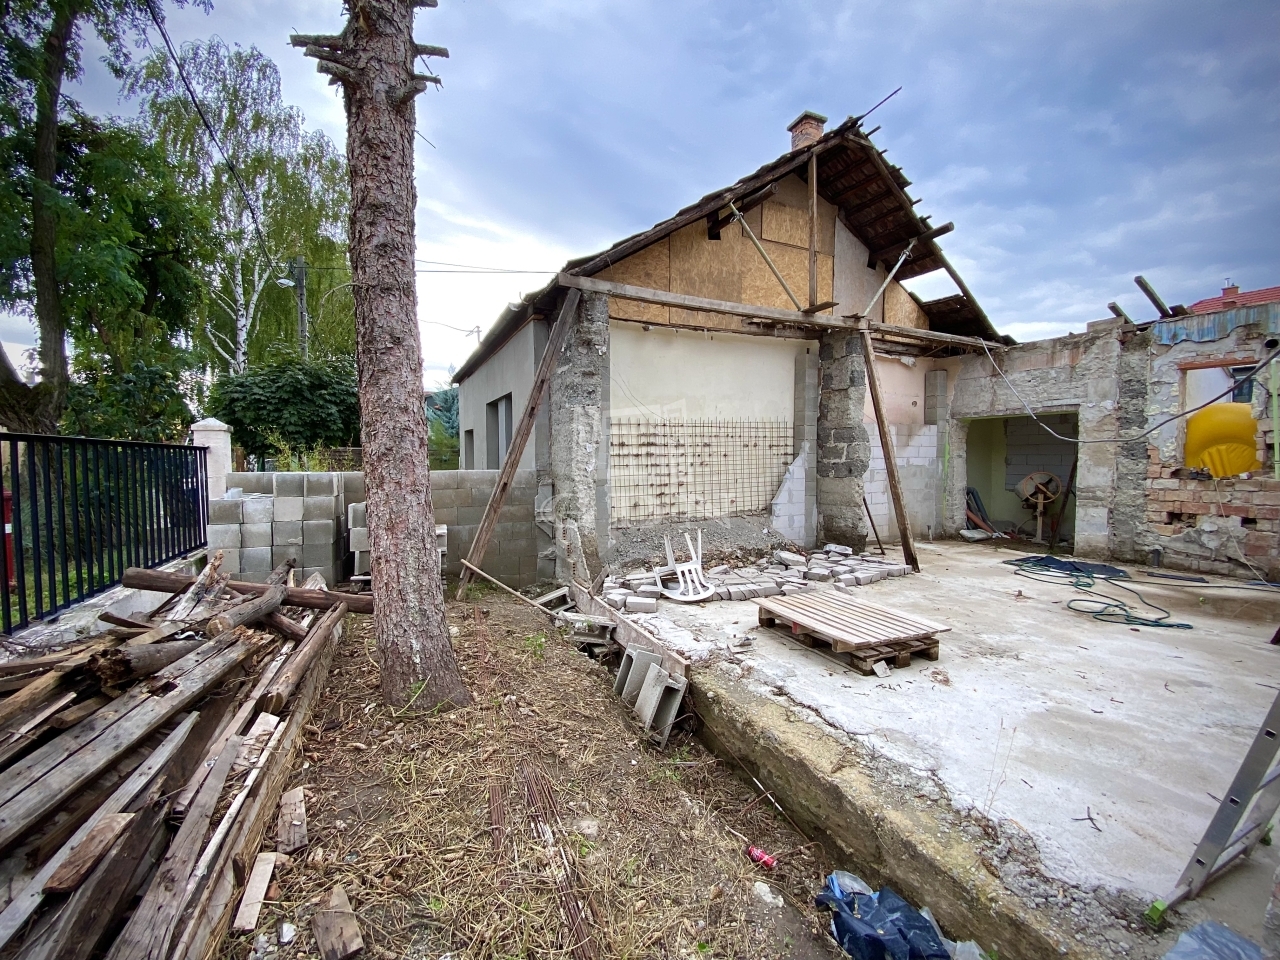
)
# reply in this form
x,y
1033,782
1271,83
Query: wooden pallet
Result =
x,y
895,654
848,625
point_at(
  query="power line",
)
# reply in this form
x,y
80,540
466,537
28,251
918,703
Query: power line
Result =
x,y
1253,373
471,267
195,102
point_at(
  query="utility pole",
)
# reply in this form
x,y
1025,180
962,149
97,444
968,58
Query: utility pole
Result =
x,y
300,291
373,60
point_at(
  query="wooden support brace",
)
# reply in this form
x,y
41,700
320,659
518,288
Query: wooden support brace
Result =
x,y
890,455
507,475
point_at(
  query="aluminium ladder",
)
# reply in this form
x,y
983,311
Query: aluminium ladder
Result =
x,y
1242,822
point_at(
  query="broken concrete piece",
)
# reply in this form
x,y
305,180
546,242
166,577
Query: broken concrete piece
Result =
x,y
718,571
789,559
650,590
638,604
817,573
631,673
838,548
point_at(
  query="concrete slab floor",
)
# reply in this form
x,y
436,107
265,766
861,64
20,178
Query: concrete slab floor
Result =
x,y
1046,716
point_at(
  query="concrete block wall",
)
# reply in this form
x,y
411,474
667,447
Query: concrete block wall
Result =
x,y
516,552
805,445
1030,449
266,519
920,470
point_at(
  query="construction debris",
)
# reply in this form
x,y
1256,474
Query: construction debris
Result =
x,y
781,573
146,768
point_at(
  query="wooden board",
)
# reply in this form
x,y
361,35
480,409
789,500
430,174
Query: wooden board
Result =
x,y
291,827
86,854
255,891
897,654
336,929
844,622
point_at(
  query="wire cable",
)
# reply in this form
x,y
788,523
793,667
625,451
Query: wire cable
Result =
x,y
1137,436
204,120
1105,608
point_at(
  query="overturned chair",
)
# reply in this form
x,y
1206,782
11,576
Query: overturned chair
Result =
x,y
691,582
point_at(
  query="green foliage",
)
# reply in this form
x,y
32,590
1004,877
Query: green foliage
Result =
x,y
143,403
289,404
442,448
297,182
442,408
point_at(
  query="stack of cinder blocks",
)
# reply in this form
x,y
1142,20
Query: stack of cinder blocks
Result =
x,y
285,516
358,539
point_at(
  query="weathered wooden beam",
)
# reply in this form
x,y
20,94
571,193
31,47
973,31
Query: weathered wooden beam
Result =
x,y
524,429
681,300
287,680
890,455
895,250
138,578
813,233
268,603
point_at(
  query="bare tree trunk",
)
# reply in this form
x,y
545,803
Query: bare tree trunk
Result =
x,y
373,60
38,409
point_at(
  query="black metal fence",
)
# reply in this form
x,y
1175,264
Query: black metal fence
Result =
x,y
77,512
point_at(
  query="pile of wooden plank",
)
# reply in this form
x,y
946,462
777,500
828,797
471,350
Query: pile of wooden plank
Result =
x,y
140,768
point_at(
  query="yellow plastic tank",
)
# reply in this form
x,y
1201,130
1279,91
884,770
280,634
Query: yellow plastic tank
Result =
x,y
1223,439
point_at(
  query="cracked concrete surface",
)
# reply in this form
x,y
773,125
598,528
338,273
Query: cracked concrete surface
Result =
x,y
1044,716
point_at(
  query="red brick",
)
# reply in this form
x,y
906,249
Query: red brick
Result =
x,y
1236,509
1191,507
1267,499
1166,529
1267,513
1247,486
1163,485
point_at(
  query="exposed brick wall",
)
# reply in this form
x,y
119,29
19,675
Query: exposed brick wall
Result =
x,y
1206,525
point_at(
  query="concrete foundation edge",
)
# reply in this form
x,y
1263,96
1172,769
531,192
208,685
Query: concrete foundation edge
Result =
x,y
883,842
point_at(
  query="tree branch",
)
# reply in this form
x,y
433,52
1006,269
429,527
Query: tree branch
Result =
x,y
427,50
328,56
315,39
426,3
337,72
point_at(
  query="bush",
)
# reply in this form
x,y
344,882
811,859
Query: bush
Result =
x,y
145,403
291,404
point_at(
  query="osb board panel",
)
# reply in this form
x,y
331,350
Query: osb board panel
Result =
x,y
650,267
902,311
790,225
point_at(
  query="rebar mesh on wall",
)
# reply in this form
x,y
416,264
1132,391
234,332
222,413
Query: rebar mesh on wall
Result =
x,y
694,469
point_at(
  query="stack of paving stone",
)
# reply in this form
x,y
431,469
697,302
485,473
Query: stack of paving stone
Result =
x,y
358,539
782,573
302,519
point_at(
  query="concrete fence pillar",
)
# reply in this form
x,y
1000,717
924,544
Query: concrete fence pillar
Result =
x,y
215,435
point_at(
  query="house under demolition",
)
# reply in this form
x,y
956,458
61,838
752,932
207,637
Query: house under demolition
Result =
x,y
715,368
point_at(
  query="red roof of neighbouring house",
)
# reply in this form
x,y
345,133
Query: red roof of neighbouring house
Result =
x,y
1235,297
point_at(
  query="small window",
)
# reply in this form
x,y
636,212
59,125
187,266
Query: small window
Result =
x,y
1243,392
469,450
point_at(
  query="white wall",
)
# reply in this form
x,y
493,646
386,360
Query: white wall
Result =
x,y
854,284
666,374
510,370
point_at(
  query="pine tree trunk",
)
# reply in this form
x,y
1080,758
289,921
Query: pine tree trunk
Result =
x,y
416,657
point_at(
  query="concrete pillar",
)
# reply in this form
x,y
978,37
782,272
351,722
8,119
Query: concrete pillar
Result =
x,y
844,448
805,436
1128,516
215,435
579,420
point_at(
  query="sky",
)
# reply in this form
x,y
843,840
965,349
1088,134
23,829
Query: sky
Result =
x,y
1074,144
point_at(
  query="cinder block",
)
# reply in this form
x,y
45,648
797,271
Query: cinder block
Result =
x,y
226,511
281,553
358,538
253,576
817,573
649,590
249,482
469,516
230,561
319,508
318,555
642,605
658,702
256,534
321,485
288,509
356,515
256,559
362,563
632,672
287,533
259,509
325,571
353,486
319,531
224,536
289,485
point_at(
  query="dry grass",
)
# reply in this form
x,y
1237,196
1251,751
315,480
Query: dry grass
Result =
x,y
399,811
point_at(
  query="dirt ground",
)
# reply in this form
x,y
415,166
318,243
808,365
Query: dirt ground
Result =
x,y
401,811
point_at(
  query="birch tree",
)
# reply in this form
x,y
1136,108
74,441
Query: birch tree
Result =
x,y
295,183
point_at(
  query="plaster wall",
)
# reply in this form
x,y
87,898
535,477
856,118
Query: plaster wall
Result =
x,y
671,374
509,370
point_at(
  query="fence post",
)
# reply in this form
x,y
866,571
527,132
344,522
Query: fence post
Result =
x,y
215,435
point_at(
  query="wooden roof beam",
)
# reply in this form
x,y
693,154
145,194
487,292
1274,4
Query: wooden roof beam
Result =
x,y
892,252
716,223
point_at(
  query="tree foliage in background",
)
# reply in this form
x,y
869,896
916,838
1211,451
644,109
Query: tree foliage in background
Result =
x,y
40,48
297,188
289,403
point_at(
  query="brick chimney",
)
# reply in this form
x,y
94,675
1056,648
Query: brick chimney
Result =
x,y
1231,290
806,128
